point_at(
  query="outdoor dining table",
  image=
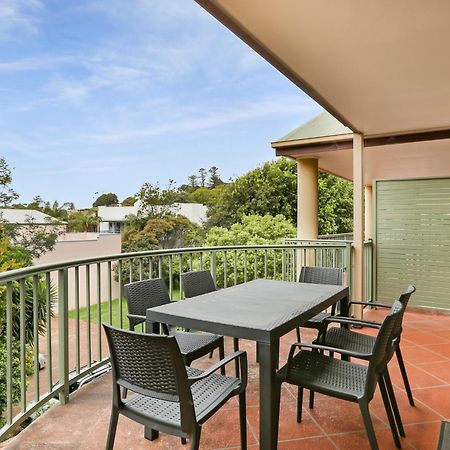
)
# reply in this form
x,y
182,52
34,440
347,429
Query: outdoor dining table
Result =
x,y
259,310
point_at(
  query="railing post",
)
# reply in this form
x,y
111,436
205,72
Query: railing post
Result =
x,y
214,265
63,334
348,266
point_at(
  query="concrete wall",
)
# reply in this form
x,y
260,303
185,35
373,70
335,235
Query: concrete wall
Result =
x,y
85,245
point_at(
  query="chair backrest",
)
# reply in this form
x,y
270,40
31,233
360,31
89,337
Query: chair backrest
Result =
x,y
197,283
150,365
403,299
384,347
145,294
321,275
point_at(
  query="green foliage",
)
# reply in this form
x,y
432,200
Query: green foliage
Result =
x,y
143,234
272,189
15,373
129,201
13,257
335,205
252,230
269,189
7,193
157,201
82,221
106,200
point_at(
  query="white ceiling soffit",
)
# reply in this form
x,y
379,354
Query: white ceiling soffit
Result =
x,y
381,67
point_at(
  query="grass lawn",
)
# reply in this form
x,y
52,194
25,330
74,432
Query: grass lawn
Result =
x,y
104,310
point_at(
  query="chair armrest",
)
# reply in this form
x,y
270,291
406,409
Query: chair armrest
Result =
x,y
350,321
375,305
241,355
327,348
136,316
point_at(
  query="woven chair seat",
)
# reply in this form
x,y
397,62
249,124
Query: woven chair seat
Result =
x,y
312,370
191,342
349,340
206,394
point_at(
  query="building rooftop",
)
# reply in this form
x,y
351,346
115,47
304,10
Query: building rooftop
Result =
x,y
25,216
322,125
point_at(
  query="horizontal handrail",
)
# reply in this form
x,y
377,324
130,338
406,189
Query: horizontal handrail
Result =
x,y
17,274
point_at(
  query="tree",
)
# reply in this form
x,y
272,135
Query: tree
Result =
x,y
13,257
202,173
156,201
7,193
335,204
106,200
82,221
252,230
214,179
272,189
192,182
129,201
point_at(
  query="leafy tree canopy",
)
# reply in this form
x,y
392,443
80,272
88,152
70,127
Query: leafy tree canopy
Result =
x,y
252,230
82,221
272,189
7,193
129,201
106,200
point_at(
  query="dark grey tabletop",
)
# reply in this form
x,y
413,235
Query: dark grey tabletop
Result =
x,y
257,310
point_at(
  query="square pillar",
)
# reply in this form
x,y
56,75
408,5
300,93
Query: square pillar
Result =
x,y
358,222
307,198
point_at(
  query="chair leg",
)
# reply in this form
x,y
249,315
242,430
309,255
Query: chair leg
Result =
x,y
364,408
183,441
299,403
195,438
401,364
151,434
311,399
221,356
387,407
243,420
297,330
124,392
211,354
112,428
390,391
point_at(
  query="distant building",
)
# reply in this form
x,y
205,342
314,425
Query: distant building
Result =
x,y
27,216
112,218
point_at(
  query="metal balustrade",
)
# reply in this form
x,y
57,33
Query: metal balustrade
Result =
x,y
57,309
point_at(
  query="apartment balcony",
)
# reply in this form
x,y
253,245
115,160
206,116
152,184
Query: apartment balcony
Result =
x,y
90,292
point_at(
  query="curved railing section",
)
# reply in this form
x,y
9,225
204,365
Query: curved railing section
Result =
x,y
54,312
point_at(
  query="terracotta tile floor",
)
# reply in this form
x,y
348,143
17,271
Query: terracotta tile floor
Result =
x,y
332,424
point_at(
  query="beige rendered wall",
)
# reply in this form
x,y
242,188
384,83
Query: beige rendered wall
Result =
x,y
72,246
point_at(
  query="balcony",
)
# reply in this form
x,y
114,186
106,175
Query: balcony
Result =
x,y
91,291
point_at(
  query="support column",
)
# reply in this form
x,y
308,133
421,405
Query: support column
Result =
x,y
358,222
368,234
307,199
307,208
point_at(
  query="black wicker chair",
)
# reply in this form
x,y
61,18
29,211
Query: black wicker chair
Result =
x,y
319,275
200,282
361,343
168,396
344,379
145,294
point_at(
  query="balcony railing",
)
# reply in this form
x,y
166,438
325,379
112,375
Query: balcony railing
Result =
x,y
58,309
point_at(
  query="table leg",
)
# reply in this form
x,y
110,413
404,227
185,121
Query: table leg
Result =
x,y
151,327
269,399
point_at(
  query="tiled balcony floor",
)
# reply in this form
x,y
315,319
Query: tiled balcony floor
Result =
x,y
332,424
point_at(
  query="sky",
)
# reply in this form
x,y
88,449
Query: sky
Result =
x,y
103,95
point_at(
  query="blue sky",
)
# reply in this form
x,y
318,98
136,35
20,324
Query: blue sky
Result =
x,y
104,95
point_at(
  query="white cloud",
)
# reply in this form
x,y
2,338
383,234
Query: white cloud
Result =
x,y
204,119
18,17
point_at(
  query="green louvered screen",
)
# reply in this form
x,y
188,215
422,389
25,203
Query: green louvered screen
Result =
x,y
413,240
